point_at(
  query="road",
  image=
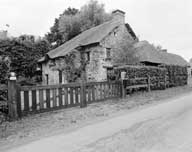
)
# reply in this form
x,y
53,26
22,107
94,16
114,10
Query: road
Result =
x,y
165,127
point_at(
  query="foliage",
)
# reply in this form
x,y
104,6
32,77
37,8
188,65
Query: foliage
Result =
x,y
68,66
23,55
125,54
4,69
55,36
73,21
92,14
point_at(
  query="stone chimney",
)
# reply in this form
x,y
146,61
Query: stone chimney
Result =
x,y
119,15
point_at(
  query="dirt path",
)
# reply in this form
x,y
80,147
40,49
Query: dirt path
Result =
x,y
35,127
142,130
169,133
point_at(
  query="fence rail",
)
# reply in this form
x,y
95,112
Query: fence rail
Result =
x,y
24,100
37,99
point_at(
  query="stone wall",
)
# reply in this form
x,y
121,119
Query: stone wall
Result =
x,y
94,69
116,39
52,67
48,70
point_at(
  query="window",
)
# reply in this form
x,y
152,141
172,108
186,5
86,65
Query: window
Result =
x,y
87,56
108,53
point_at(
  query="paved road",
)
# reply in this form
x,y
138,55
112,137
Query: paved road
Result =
x,y
167,125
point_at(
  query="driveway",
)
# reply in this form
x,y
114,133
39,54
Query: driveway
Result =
x,y
169,122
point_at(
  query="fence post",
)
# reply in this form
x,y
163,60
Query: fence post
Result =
x,y
83,95
165,81
83,90
12,97
149,83
123,91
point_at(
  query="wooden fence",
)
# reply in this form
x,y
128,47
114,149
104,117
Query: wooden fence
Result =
x,y
36,99
24,100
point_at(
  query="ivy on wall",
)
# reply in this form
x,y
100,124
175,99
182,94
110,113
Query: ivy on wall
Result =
x,y
68,66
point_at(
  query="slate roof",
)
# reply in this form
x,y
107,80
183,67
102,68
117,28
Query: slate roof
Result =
x,y
148,53
90,36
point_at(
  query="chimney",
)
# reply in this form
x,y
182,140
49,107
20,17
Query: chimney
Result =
x,y
119,15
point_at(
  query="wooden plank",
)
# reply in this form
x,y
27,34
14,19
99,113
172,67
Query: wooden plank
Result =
x,y
112,90
137,86
54,98
41,99
66,96
26,88
19,102
34,100
60,97
109,90
101,91
83,102
76,95
89,94
93,93
115,89
48,98
104,91
26,100
71,96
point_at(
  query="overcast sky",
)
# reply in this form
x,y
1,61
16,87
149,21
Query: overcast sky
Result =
x,y
164,22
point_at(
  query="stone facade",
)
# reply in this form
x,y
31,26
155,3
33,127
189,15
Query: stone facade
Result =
x,y
51,68
98,56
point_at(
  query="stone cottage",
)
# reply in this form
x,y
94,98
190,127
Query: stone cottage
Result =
x,y
98,45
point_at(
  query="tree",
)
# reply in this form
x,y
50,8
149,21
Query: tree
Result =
x,y
73,21
93,14
69,26
125,54
55,36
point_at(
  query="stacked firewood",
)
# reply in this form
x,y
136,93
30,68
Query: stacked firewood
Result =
x,y
160,77
177,75
156,75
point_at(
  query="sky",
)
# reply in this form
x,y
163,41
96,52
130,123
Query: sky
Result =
x,y
162,22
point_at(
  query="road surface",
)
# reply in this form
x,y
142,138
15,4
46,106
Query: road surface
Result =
x,y
166,127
